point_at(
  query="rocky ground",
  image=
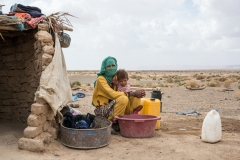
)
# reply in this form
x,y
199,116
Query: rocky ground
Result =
x,y
179,136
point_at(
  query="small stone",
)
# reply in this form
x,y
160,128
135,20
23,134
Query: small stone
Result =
x,y
57,155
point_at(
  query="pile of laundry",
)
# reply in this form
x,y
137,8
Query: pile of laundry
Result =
x,y
21,17
78,121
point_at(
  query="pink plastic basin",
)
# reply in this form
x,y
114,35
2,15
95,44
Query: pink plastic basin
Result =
x,y
137,125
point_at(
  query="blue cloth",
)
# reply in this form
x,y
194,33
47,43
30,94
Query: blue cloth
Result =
x,y
82,124
74,98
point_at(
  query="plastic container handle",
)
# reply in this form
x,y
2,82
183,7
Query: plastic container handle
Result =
x,y
140,120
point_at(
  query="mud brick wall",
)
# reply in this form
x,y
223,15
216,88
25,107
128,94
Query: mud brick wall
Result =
x,y
20,71
22,61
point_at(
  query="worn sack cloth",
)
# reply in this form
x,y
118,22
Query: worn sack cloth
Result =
x,y
54,82
105,111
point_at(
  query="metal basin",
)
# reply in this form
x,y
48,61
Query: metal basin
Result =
x,y
87,138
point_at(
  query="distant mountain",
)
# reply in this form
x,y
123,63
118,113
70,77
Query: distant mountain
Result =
x,y
189,67
177,67
233,67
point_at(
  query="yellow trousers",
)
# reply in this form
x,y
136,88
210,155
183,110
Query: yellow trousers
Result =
x,y
125,105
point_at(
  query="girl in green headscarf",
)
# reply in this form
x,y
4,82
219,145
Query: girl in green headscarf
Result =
x,y
105,91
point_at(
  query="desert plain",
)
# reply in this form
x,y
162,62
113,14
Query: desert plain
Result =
x,y
179,136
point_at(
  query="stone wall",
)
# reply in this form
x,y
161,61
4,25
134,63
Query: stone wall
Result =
x,y
20,71
22,60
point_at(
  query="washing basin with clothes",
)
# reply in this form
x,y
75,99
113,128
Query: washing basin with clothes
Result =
x,y
96,137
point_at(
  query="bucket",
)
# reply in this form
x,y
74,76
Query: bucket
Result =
x,y
87,138
151,106
212,127
137,125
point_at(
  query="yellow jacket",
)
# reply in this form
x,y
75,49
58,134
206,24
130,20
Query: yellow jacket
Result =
x,y
103,92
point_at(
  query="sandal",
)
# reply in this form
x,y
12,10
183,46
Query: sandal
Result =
x,y
136,110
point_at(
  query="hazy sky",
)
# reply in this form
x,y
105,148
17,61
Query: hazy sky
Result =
x,y
148,34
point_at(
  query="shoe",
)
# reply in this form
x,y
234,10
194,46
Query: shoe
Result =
x,y
136,110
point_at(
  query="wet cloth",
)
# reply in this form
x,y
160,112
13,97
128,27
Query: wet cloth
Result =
x,y
84,121
69,120
78,121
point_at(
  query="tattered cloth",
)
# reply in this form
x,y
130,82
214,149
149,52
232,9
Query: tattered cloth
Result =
x,y
54,82
35,21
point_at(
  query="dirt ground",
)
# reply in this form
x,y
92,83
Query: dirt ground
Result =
x,y
179,135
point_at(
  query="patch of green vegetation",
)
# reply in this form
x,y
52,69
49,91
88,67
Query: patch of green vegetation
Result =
x,y
170,80
75,84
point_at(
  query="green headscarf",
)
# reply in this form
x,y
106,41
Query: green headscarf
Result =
x,y
108,73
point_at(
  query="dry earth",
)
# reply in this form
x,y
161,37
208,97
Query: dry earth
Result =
x,y
179,135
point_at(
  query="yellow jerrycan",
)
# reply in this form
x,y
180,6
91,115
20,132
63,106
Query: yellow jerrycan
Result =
x,y
151,106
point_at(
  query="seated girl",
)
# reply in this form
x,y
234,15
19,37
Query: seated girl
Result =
x,y
105,94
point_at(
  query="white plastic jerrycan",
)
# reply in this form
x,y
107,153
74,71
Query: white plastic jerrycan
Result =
x,y
212,127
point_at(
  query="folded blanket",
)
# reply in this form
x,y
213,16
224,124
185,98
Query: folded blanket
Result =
x,y
33,11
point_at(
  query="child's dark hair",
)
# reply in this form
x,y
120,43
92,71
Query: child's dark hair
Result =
x,y
121,74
